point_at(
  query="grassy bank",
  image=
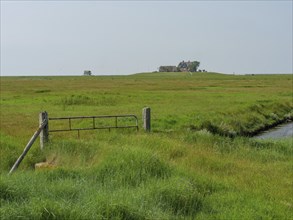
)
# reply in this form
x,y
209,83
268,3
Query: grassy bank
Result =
x,y
188,167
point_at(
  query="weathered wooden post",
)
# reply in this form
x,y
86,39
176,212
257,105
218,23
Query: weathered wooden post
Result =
x,y
146,117
44,135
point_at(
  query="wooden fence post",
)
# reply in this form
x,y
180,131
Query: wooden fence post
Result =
x,y
146,115
44,135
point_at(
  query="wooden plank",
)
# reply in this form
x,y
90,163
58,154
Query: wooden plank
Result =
x,y
28,146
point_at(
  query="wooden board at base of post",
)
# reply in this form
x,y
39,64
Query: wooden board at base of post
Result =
x,y
146,115
44,135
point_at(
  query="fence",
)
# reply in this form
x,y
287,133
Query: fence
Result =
x,y
43,130
94,124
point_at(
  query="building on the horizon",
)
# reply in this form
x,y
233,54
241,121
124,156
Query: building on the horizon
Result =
x,y
168,69
87,73
184,66
189,66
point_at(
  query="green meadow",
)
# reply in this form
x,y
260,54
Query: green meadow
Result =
x,y
198,162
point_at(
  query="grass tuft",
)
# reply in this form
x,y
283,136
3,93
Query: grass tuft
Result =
x,y
179,196
131,168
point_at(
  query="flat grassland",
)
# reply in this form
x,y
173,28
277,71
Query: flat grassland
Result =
x,y
197,163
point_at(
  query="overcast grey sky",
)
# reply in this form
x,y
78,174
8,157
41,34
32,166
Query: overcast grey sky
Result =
x,y
125,37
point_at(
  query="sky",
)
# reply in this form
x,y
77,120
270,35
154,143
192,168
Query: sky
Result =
x,y
126,37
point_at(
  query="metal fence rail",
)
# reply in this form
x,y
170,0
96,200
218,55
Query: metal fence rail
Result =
x,y
94,126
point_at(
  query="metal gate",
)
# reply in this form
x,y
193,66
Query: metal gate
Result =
x,y
132,119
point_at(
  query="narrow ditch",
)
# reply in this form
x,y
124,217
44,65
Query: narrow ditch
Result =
x,y
280,131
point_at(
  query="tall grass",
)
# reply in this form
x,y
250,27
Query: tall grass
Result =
x,y
196,164
213,177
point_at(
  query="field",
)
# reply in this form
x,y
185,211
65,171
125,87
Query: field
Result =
x,y
199,161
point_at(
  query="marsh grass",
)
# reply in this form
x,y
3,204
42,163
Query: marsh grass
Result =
x,y
111,190
196,164
137,176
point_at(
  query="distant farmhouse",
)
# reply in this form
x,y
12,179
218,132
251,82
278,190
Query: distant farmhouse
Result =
x,y
189,66
168,69
87,73
184,66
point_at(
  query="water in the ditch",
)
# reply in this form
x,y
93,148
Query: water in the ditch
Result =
x,y
285,130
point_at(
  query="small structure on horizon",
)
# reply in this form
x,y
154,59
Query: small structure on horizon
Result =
x,y
184,66
189,66
168,69
87,73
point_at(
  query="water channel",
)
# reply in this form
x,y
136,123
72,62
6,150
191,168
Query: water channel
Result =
x,y
281,131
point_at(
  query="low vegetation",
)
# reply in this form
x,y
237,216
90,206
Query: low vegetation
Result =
x,y
197,163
